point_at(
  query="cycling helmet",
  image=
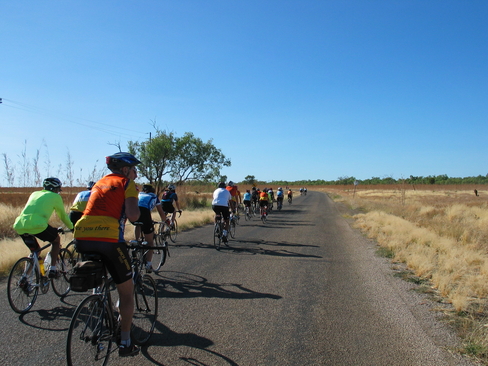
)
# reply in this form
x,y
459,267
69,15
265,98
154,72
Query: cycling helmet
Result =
x,y
50,184
171,187
90,185
280,189
148,188
121,159
221,185
231,183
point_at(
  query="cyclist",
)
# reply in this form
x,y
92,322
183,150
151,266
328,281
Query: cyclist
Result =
x,y
290,195
148,200
170,196
34,220
113,200
255,196
271,198
279,197
233,192
305,190
263,201
79,204
220,205
247,199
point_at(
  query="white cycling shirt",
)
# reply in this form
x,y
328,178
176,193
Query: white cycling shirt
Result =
x,y
221,197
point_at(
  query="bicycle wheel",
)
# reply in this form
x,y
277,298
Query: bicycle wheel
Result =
x,y
75,256
173,232
90,333
159,255
232,229
23,285
65,265
217,236
145,309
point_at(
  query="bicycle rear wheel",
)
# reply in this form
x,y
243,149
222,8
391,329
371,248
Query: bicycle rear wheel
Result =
x,y
217,236
232,229
159,255
60,284
90,334
145,309
173,232
23,285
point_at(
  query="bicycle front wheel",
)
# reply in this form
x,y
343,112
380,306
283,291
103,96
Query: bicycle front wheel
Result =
x,y
90,335
159,255
23,285
173,233
145,309
65,267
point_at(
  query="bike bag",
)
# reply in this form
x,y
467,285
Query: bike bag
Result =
x,y
86,275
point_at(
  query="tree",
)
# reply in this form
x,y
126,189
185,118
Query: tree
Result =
x,y
196,160
182,159
155,155
250,179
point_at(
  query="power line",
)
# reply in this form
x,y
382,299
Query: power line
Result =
x,y
109,129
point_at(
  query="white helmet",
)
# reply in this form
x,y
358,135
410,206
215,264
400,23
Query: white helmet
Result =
x,y
280,189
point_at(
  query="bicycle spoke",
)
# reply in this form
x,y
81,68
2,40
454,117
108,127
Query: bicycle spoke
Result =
x,y
23,285
145,310
90,334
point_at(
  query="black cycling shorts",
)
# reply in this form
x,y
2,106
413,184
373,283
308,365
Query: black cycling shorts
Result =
x,y
247,203
114,255
147,221
263,203
168,207
49,234
222,210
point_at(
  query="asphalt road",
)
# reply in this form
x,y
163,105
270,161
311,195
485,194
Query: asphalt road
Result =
x,y
304,289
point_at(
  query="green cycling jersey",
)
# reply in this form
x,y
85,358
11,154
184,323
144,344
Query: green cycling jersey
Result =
x,y
35,216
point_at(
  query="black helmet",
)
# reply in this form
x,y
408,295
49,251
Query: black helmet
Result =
x,y
148,188
90,184
118,160
231,183
221,185
51,184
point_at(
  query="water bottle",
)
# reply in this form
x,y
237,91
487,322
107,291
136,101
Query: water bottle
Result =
x,y
47,262
41,266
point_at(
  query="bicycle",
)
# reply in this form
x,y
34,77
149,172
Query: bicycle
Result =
x,y
264,214
218,231
28,276
289,200
95,325
248,213
173,228
234,220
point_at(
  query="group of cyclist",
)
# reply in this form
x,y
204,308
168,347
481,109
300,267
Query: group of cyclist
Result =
x,y
98,216
226,198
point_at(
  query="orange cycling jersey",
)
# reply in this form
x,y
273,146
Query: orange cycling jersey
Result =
x,y
263,196
104,216
232,190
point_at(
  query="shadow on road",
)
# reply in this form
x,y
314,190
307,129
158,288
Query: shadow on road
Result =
x,y
165,337
187,285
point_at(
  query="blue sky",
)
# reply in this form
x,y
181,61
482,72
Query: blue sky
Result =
x,y
288,90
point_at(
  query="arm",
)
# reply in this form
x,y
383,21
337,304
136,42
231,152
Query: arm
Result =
x,y
132,208
59,208
161,212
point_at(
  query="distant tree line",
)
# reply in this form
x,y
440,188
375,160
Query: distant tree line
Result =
x,y
346,180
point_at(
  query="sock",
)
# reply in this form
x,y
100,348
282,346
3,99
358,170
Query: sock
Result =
x,y
125,338
149,264
53,268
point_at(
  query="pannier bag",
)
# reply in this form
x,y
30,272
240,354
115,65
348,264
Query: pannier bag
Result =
x,y
86,275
